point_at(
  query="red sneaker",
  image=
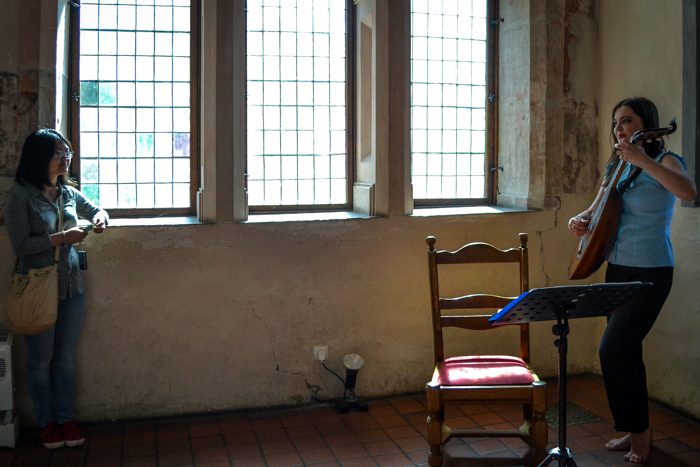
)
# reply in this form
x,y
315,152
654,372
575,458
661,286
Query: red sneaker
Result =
x,y
72,434
51,436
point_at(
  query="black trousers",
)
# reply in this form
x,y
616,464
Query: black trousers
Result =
x,y
621,346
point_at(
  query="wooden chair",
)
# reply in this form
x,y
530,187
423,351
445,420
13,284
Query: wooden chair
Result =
x,y
481,379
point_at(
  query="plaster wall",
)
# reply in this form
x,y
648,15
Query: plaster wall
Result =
x,y
641,54
220,316
214,317
27,77
547,101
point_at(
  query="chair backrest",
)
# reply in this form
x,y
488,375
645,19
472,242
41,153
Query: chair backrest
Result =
x,y
474,253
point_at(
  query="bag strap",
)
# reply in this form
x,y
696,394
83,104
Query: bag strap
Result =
x,y
60,226
57,250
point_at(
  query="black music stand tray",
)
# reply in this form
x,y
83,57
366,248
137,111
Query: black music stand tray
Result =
x,y
561,304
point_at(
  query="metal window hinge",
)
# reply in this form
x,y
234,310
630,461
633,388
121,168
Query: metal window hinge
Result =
x,y
492,97
497,21
499,168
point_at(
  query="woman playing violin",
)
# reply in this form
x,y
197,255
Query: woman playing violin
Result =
x,y
641,252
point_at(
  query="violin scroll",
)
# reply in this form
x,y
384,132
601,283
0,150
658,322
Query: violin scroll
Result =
x,y
654,133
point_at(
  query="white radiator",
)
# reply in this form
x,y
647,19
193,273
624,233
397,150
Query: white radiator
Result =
x,y
9,425
6,382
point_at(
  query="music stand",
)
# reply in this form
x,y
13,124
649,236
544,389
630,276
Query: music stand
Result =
x,y
562,303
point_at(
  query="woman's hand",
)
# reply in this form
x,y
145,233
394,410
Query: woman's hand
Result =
x,y
632,153
100,223
578,225
74,235
71,236
669,172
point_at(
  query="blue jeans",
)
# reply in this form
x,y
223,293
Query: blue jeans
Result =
x,y
51,363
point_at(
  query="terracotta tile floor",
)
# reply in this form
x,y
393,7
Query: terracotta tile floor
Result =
x,y
390,434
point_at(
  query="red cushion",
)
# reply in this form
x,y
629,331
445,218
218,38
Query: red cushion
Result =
x,y
487,358
487,370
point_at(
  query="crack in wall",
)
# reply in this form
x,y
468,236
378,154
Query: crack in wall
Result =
x,y
273,346
540,235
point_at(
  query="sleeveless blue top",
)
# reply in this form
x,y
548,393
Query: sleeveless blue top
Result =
x,y
644,232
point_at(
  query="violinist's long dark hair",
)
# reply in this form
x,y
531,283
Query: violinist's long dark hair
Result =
x,y
649,114
37,152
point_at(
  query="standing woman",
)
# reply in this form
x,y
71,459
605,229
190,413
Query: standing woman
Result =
x,y
641,252
32,218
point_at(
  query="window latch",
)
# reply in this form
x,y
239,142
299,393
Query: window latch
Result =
x,y
497,21
499,168
76,96
492,97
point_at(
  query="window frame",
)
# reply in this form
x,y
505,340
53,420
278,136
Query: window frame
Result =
x,y
349,132
691,115
195,96
491,167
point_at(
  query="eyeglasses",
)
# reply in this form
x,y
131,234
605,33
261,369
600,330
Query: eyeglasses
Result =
x,y
68,155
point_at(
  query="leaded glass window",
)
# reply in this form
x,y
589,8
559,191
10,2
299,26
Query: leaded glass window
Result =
x,y
449,78
296,103
135,131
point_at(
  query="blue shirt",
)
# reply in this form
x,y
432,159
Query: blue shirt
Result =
x,y
30,218
644,232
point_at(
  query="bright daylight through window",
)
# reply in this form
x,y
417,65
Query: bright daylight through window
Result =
x,y
296,81
448,99
135,129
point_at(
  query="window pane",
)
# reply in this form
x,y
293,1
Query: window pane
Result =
x,y
89,17
144,171
144,119
89,170
126,94
107,17
296,103
145,196
163,94
126,170
181,195
126,119
448,99
89,146
126,145
164,195
163,145
135,98
89,38
126,17
181,19
108,194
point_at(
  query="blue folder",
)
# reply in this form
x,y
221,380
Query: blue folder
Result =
x,y
576,301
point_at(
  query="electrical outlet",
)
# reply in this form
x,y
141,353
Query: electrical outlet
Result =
x,y
320,352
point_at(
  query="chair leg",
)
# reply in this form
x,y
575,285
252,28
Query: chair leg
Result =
x,y
434,440
436,416
539,422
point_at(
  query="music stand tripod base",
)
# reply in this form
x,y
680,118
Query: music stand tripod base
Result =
x,y
561,453
563,458
561,304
